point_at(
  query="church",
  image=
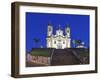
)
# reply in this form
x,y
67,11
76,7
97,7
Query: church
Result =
x,y
60,40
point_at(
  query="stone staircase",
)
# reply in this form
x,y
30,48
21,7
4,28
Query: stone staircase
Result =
x,y
64,57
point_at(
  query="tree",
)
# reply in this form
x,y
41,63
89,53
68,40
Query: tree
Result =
x,y
76,42
36,41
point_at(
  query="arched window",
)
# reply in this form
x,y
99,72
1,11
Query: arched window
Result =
x,y
63,42
54,42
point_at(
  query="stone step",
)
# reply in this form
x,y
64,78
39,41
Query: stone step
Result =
x,y
64,57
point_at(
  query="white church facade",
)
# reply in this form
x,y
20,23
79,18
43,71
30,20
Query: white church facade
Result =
x,y
59,40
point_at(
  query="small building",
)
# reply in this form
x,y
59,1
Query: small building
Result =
x,y
58,40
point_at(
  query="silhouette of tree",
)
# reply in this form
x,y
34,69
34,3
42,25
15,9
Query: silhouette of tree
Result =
x,y
36,41
76,42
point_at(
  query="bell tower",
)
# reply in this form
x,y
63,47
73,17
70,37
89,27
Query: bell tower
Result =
x,y
67,31
50,30
49,35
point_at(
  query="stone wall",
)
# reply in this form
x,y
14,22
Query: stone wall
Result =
x,y
38,59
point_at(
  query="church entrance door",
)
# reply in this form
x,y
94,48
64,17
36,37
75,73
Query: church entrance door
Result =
x,y
59,46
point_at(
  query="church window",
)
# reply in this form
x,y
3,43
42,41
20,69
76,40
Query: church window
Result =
x,y
63,42
49,29
54,42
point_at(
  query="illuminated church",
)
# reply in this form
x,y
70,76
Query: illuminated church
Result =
x,y
58,40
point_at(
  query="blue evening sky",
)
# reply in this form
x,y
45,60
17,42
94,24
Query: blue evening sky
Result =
x,y
36,27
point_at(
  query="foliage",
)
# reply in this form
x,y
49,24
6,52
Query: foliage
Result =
x,y
36,41
76,42
40,52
